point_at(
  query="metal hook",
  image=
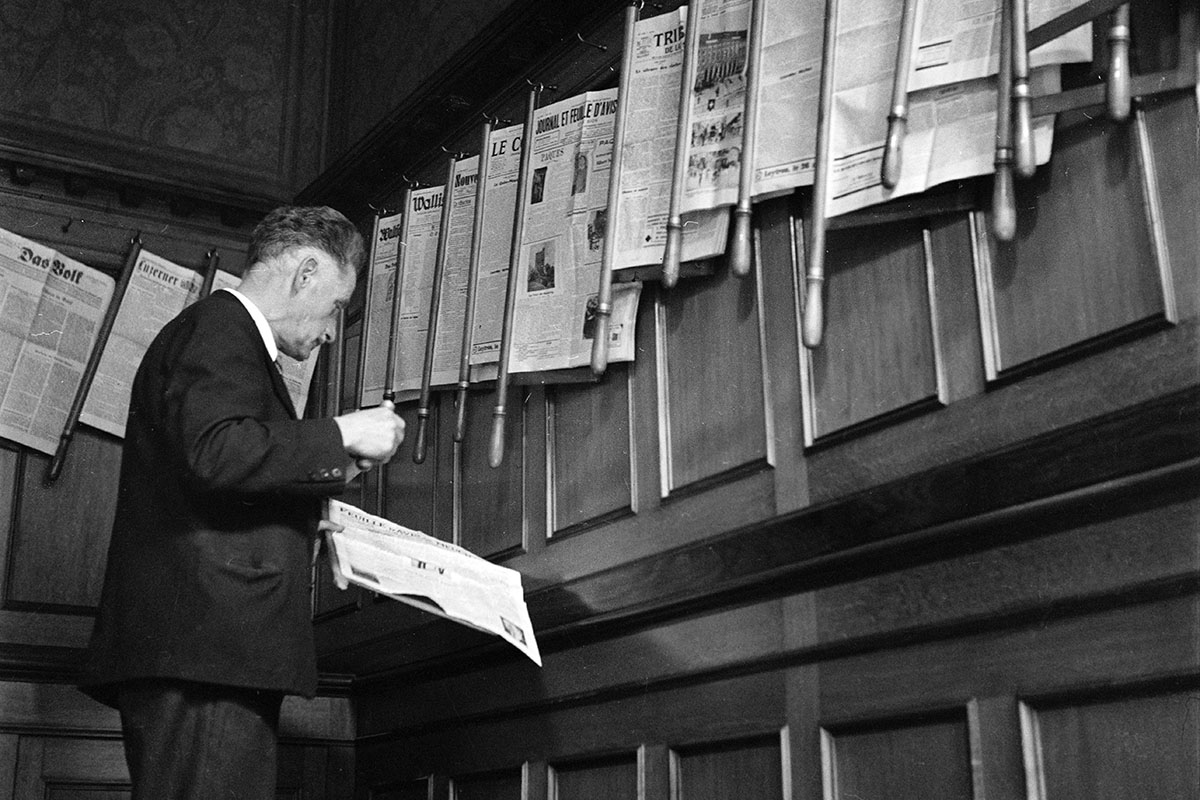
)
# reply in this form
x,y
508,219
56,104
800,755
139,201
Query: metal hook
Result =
x,y
603,48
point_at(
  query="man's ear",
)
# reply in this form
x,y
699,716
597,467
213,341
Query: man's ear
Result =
x,y
306,273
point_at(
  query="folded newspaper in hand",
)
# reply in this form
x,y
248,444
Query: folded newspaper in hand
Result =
x,y
429,574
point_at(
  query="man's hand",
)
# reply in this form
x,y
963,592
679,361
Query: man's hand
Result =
x,y
372,434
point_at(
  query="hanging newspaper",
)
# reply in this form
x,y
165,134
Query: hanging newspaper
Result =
x,y
951,129
158,290
504,166
653,107
297,375
381,276
453,306
429,574
51,308
718,104
416,287
958,41
559,268
788,89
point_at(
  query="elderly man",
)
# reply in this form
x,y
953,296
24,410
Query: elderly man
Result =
x,y
204,621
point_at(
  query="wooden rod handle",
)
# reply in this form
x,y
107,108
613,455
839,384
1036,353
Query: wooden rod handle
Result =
x,y
1024,159
496,444
421,445
672,252
1118,66
739,243
600,354
1004,201
889,171
460,412
814,311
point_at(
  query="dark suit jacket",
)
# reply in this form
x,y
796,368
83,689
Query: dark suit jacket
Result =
x,y
220,488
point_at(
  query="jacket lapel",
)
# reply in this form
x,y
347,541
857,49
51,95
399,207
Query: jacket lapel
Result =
x,y
280,386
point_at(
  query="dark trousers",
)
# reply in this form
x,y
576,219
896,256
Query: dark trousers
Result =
x,y
188,741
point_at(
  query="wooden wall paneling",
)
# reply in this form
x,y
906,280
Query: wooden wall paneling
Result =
x,y
1170,123
924,757
611,778
417,494
8,764
996,757
881,353
729,770
491,502
712,410
777,263
1089,257
960,345
590,452
1121,745
86,769
505,785
10,460
59,544
422,788
654,772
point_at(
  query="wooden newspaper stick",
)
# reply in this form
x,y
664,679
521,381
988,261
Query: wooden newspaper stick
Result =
x,y
1118,65
739,243
464,361
496,443
691,49
361,382
609,254
212,261
435,307
1004,202
814,275
889,171
389,369
1024,160
54,469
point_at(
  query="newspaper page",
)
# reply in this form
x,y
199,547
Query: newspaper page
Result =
x,y
948,128
788,93
381,282
416,286
430,574
499,205
718,104
652,109
559,267
958,41
51,307
297,375
158,290
452,309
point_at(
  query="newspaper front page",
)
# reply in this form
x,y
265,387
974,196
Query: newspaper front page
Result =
x,y
649,152
158,290
958,41
429,574
559,267
416,286
500,203
788,92
951,128
381,283
51,307
452,308
718,104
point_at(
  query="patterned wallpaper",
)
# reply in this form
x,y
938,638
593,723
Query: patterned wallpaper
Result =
x,y
229,94
390,48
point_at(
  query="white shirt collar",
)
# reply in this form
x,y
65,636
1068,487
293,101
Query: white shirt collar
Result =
x,y
264,327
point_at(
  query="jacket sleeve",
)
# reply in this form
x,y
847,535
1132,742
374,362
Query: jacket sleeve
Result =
x,y
230,431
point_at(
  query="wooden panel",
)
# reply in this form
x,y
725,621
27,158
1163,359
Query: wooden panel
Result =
x,y
879,354
60,767
412,496
1116,749
1084,261
60,542
419,789
492,507
730,771
502,786
615,779
711,391
917,759
590,445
